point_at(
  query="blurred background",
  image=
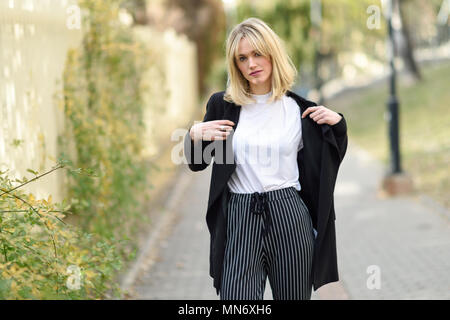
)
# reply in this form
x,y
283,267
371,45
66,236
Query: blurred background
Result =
x,y
96,96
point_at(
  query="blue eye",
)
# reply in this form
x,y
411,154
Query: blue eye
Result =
x,y
243,58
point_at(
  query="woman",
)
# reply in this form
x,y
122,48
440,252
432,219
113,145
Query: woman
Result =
x,y
268,216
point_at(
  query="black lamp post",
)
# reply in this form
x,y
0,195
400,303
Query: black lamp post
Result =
x,y
316,19
393,105
396,181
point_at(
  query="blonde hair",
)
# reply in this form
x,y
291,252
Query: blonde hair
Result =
x,y
264,40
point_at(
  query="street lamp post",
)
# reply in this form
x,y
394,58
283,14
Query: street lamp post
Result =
x,y
393,104
396,181
316,19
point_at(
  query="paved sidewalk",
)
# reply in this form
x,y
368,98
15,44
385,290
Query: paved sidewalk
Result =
x,y
407,242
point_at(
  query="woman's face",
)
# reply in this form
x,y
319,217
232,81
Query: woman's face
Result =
x,y
250,61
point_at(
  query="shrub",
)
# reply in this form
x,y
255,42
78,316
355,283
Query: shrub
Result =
x,y
42,257
103,106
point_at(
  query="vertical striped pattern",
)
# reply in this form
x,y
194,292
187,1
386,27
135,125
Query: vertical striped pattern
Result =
x,y
284,255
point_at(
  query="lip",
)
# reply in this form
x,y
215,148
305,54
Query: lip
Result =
x,y
256,72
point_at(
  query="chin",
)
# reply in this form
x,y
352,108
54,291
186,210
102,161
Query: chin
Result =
x,y
259,81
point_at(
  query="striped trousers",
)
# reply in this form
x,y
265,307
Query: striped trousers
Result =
x,y
269,234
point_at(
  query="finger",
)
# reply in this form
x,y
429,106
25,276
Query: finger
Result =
x,y
213,134
220,137
210,134
222,133
309,110
224,128
316,114
225,122
323,120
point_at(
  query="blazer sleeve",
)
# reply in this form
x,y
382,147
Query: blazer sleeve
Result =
x,y
336,134
193,152
340,135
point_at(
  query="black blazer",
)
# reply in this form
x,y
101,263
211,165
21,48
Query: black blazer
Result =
x,y
324,147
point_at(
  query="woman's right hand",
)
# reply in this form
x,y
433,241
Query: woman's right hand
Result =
x,y
211,130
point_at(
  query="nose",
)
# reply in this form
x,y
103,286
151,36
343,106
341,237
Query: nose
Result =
x,y
252,63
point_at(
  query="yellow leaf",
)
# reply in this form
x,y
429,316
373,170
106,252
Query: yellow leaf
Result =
x,y
49,200
13,286
39,277
49,225
35,292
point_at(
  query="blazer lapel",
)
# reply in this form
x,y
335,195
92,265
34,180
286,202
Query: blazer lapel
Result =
x,y
231,112
224,161
302,105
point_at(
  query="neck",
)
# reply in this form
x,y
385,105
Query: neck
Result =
x,y
260,89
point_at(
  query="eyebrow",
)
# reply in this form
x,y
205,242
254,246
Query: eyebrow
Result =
x,y
243,55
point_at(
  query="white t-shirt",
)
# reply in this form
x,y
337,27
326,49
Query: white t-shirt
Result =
x,y
265,145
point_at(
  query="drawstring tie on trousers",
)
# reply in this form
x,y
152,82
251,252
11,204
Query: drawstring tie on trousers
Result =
x,y
259,205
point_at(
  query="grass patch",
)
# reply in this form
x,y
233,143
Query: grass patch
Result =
x,y
424,127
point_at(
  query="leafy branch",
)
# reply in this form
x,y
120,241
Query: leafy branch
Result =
x,y
61,164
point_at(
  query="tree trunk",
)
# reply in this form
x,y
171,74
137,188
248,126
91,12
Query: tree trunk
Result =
x,y
407,50
138,10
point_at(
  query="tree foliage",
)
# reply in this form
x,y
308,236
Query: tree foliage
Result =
x,y
41,256
104,111
343,27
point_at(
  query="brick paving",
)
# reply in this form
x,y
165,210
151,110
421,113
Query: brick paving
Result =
x,y
407,241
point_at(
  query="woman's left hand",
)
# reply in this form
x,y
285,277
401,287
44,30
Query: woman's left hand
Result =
x,y
322,115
